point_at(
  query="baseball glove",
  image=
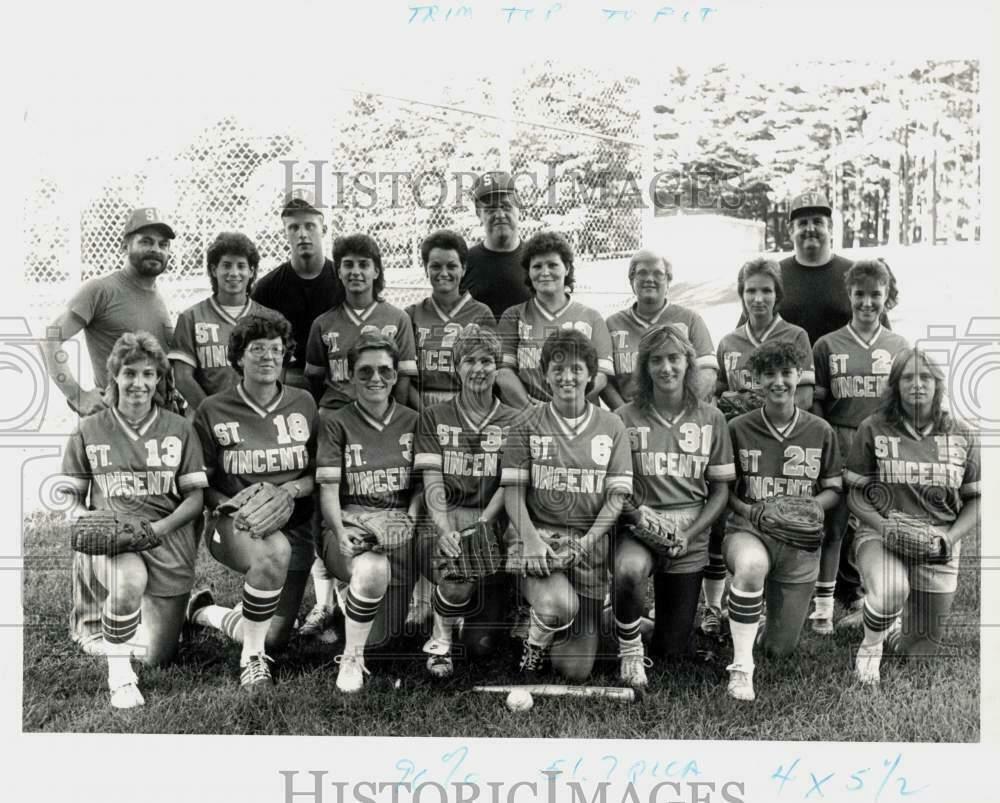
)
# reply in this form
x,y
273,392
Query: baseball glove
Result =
x,y
794,520
380,530
734,403
915,539
568,552
480,556
659,533
105,532
259,509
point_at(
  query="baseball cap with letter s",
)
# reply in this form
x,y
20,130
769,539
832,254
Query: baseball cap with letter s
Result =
x,y
147,217
495,182
811,201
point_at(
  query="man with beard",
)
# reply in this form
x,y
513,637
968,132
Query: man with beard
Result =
x,y
493,274
103,309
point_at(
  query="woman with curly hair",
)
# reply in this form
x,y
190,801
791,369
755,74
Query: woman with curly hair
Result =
x,y
201,336
852,368
547,261
259,431
135,457
910,457
682,464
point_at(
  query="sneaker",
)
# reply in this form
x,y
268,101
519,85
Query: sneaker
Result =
x,y
632,669
532,659
852,621
439,662
200,598
351,677
740,682
256,675
93,646
522,618
711,621
316,622
127,696
867,663
821,624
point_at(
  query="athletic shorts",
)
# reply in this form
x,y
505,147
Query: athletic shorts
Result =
x,y
788,564
401,561
591,580
696,557
931,578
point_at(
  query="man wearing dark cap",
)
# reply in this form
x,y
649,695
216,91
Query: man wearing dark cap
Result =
x,y
815,295
104,308
303,287
494,275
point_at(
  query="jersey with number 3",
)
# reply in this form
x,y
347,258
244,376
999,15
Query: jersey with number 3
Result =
x,y
435,332
143,471
568,467
799,460
371,459
524,328
852,372
673,460
336,330
245,443
467,454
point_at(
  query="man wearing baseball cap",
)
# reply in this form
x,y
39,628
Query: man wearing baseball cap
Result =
x,y
104,308
305,286
493,274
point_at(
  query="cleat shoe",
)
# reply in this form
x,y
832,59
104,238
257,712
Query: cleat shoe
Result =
x,y
127,696
532,659
740,682
711,621
351,677
867,663
855,620
93,646
316,622
439,662
256,675
632,669
823,625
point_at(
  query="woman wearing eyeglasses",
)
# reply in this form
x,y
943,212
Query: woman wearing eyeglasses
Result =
x,y
259,431
365,464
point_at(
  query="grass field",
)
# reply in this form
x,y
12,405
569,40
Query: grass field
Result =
x,y
808,697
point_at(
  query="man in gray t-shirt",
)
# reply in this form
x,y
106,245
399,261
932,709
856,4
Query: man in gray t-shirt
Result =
x,y
103,309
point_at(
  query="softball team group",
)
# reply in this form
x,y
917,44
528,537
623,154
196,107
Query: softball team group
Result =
x,y
551,426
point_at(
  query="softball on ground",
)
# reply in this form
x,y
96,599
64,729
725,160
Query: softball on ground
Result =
x,y
520,700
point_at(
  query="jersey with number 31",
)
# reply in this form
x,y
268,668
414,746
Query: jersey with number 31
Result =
x,y
800,460
245,443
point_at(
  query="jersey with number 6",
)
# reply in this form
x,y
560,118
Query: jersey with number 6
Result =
x,y
245,443
201,339
143,471
627,328
736,347
674,460
921,473
435,332
852,372
336,330
568,467
800,460
524,328
467,454
371,459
